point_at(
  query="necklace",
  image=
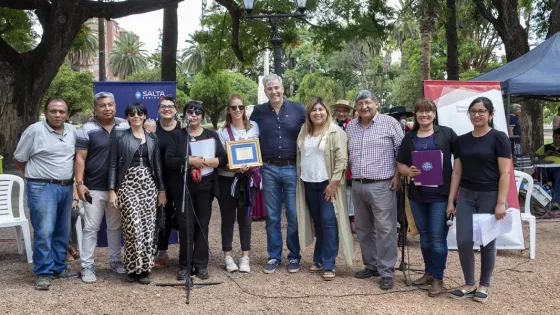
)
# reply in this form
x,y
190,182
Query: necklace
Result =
x,y
196,133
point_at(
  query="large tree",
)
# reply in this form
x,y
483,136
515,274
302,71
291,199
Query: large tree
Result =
x,y
504,16
25,76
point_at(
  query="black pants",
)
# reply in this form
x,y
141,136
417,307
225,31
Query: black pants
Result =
x,y
230,209
170,223
202,196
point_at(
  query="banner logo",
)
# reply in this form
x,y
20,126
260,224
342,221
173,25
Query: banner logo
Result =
x,y
427,166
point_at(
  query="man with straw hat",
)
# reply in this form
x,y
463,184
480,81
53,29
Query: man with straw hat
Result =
x,y
341,110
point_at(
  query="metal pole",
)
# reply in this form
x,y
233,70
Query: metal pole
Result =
x,y
277,43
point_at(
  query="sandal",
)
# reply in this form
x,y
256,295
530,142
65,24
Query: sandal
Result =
x,y
481,296
460,294
316,267
329,275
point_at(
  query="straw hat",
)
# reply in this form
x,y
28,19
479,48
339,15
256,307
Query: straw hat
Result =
x,y
342,104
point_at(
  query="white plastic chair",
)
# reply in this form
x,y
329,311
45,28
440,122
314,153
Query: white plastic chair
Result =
x,y
526,214
7,218
78,228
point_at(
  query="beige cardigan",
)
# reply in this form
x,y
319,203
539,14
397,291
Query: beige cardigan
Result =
x,y
336,156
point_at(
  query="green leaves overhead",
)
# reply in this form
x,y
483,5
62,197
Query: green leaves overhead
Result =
x,y
16,29
76,87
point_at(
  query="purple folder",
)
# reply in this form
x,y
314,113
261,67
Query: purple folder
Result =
x,y
430,163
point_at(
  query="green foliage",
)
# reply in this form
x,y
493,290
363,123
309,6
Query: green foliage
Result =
x,y
84,47
16,28
213,89
127,56
315,84
76,87
406,89
244,86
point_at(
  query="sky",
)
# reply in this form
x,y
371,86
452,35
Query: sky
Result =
x,y
147,25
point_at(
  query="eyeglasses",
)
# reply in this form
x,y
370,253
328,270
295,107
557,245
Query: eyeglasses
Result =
x,y
197,111
132,114
480,112
239,107
366,102
167,107
423,113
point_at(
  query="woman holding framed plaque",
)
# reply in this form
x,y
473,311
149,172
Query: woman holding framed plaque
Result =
x,y
321,189
206,153
238,187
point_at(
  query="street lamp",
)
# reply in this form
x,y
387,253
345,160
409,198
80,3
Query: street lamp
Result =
x,y
276,40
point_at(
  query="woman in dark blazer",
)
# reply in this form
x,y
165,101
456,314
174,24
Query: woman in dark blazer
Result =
x,y
202,188
428,204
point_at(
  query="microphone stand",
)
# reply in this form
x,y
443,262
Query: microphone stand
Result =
x,y
185,207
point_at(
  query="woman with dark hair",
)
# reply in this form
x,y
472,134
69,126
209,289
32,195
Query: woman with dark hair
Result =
x,y
322,210
135,178
237,205
165,126
428,204
481,175
202,189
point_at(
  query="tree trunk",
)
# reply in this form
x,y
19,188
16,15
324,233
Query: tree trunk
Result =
x,y
101,40
531,121
554,20
451,35
426,27
25,77
169,44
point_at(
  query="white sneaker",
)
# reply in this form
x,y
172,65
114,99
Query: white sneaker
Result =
x,y
244,264
117,267
88,275
230,264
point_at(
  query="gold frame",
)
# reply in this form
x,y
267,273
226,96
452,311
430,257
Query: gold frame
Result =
x,y
233,166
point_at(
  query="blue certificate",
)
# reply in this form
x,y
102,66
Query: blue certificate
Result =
x,y
244,153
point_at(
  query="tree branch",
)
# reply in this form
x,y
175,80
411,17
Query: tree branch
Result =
x,y
485,11
113,10
235,12
9,54
21,4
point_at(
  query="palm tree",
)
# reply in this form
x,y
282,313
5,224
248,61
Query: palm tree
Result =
x,y
84,47
406,25
427,23
127,56
193,57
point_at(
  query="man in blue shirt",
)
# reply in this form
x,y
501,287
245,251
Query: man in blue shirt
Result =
x,y
279,122
515,128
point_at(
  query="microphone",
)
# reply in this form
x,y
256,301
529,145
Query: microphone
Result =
x,y
403,123
450,220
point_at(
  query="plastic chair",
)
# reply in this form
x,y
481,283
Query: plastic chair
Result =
x,y
7,218
526,214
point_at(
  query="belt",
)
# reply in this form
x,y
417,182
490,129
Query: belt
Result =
x,y
281,162
52,181
369,181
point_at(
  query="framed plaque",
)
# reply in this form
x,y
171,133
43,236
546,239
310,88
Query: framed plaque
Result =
x,y
244,153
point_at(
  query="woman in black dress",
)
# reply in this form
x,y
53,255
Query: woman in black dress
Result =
x,y
202,183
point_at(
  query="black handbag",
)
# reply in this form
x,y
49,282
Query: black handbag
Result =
x,y
160,218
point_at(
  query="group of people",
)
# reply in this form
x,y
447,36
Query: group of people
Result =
x,y
333,175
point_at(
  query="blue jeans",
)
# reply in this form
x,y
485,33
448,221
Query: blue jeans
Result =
x,y
324,221
50,208
275,181
553,174
431,224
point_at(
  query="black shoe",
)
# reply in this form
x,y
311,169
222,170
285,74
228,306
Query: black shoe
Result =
x,y
144,278
386,283
130,277
201,273
182,275
366,273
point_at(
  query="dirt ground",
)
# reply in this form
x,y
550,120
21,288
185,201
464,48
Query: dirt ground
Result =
x,y
519,285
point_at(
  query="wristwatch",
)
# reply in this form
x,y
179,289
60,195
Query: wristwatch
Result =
x,y
79,183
